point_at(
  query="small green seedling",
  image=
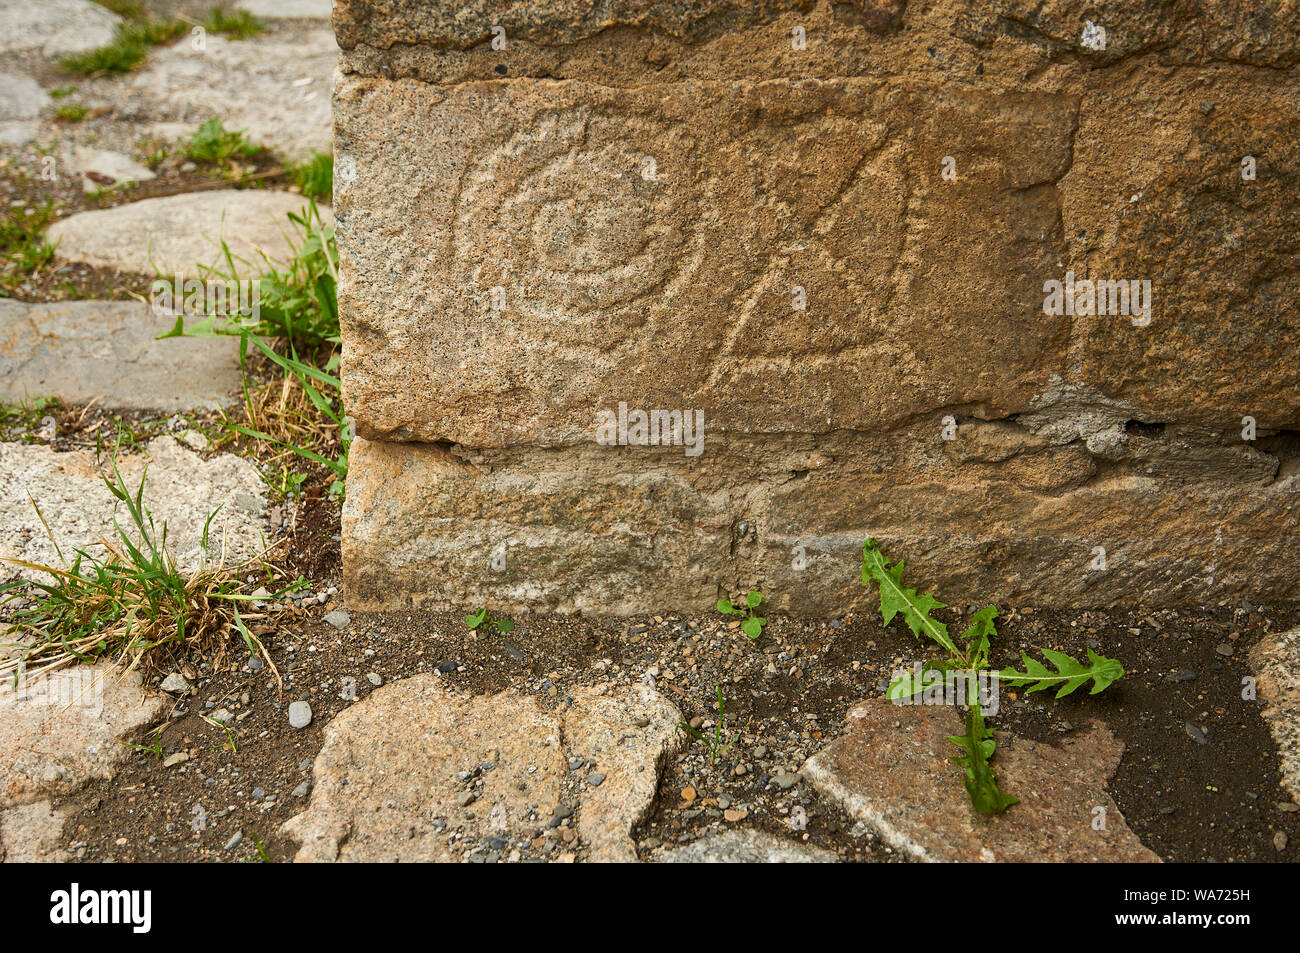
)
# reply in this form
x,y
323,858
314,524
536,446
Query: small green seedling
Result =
x,y
156,748
716,747
477,619
971,655
753,624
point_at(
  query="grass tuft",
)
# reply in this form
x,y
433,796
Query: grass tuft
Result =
x,y
213,142
133,604
315,176
131,42
239,25
23,248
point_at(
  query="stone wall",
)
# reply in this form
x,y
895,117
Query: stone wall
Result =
x,y
829,230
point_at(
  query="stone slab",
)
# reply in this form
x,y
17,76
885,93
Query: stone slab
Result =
x,y
55,27
21,102
173,235
181,490
1002,516
401,773
287,9
108,352
647,249
898,779
274,86
1276,661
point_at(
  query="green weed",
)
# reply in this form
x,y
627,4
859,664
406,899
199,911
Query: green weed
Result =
x,y
213,142
481,618
23,248
315,176
239,25
753,624
968,654
131,42
717,747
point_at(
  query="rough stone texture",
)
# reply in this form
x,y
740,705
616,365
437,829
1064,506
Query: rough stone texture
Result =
x,y
388,770
745,847
32,834
462,169
182,490
106,164
51,748
1276,661
55,27
627,734
901,781
108,351
998,513
274,86
173,235
21,102
287,9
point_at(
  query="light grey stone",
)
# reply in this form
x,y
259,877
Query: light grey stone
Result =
x,y
109,351
299,714
175,682
21,102
287,9
120,168
182,491
276,88
175,234
55,27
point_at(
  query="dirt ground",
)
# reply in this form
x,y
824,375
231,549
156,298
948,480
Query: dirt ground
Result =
x,y
1198,782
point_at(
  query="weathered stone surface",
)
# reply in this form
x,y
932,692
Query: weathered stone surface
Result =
x,y
32,834
276,87
108,351
173,235
901,781
389,782
996,514
676,291
182,490
626,734
745,847
58,732
1276,661
104,164
287,9
55,27
628,204
21,102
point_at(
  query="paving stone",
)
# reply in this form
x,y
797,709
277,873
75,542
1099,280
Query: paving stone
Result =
x,y
287,9
745,847
33,834
182,490
603,729
56,734
274,86
108,351
174,234
395,775
901,781
98,165
21,102
1276,662
55,27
